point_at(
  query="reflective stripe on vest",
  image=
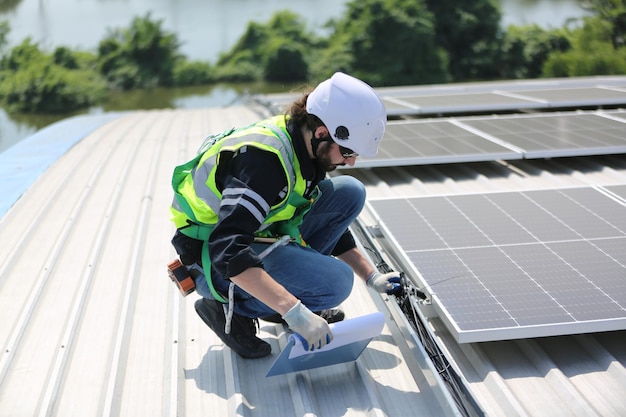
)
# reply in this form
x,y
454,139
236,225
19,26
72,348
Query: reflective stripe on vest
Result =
x,y
198,187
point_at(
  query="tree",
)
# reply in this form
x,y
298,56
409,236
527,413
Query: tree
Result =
x,y
285,61
525,49
470,33
277,51
613,12
32,81
143,55
592,53
384,42
4,33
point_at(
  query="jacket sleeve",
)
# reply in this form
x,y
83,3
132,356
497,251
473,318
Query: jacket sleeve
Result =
x,y
250,184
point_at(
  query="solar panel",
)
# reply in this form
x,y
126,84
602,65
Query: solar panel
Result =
x,y
586,96
460,103
514,265
503,137
556,135
433,142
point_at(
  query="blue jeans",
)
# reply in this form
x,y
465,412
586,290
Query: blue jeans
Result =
x,y
311,274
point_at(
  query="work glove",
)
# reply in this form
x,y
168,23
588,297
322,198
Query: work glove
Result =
x,y
388,283
312,329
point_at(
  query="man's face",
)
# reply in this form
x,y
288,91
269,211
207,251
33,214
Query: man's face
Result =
x,y
329,156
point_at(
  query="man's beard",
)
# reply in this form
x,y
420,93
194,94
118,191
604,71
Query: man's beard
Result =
x,y
323,159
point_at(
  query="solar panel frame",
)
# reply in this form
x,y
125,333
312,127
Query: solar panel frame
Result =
x,y
562,253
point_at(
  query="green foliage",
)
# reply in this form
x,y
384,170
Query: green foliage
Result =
x,y
65,58
525,49
469,31
21,56
186,73
613,12
603,60
593,53
4,33
285,61
32,81
384,42
141,56
277,51
239,67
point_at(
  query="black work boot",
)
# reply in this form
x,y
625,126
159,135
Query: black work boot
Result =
x,y
242,337
331,315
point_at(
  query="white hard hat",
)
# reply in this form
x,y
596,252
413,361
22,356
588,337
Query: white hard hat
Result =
x,y
353,113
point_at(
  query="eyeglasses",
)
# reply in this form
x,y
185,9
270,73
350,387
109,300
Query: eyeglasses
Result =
x,y
347,153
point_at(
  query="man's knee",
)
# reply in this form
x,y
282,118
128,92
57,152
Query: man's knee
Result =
x,y
343,283
349,186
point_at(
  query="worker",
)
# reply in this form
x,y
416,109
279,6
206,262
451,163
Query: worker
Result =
x,y
249,186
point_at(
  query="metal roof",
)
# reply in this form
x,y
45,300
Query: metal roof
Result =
x,y
91,323
92,326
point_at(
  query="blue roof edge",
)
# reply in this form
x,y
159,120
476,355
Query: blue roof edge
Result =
x,y
24,162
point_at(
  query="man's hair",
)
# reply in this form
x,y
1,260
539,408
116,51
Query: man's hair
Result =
x,y
297,112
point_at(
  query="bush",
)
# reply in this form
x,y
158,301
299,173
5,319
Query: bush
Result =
x,y
593,52
192,73
141,56
285,62
602,60
526,48
277,51
21,56
65,58
43,87
32,81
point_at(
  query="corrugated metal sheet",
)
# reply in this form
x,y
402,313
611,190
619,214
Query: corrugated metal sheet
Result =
x,y
92,326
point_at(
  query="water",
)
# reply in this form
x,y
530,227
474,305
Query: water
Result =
x,y
205,29
549,14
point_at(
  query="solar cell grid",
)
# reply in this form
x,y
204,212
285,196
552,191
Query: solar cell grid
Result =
x,y
467,101
561,135
428,142
517,264
566,95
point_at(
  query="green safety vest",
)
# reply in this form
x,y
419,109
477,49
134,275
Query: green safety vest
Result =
x,y
197,198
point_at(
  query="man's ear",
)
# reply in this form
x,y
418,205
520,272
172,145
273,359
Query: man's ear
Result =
x,y
321,131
